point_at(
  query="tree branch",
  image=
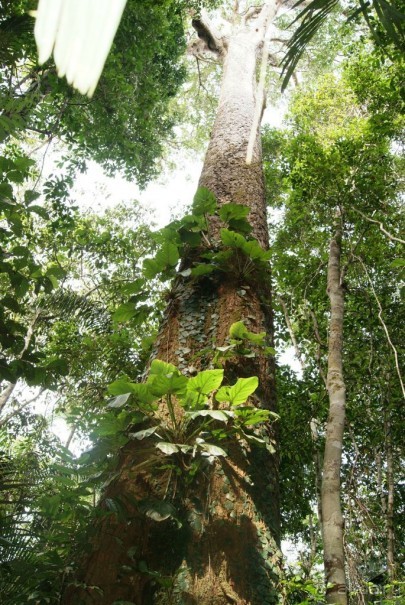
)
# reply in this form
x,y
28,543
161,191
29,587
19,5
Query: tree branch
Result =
x,y
211,38
6,394
380,312
371,220
6,418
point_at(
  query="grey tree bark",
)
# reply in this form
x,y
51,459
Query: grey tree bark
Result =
x,y
332,518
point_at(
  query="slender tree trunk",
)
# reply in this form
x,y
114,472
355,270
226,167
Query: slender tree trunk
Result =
x,y
390,501
6,394
226,550
332,519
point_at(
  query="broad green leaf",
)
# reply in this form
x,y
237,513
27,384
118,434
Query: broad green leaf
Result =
x,y
161,367
202,269
167,448
55,270
232,211
251,248
240,226
249,415
215,414
254,250
143,434
205,382
120,387
124,312
151,268
233,239
30,196
140,392
168,255
133,287
191,238
172,383
238,330
158,510
243,388
256,338
235,215
190,399
213,450
204,201
223,394
40,211
398,262
119,401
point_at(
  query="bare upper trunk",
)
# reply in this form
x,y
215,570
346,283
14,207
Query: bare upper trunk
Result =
x,y
231,554
332,519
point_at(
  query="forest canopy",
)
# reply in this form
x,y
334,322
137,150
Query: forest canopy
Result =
x,y
229,386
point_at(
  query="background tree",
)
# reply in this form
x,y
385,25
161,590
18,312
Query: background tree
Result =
x,y
338,155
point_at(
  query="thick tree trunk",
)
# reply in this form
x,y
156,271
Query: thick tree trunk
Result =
x,y
332,519
226,550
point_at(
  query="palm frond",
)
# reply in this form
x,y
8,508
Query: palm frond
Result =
x,y
312,17
66,303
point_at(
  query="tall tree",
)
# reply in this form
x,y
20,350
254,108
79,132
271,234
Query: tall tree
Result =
x,y
339,155
231,554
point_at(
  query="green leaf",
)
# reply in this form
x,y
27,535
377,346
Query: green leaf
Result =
x,y
213,450
173,383
191,238
205,382
251,248
124,313
250,416
240,226
119,401
55,270
168,255
151,268
239,331
40,211
202,269
190,400
140,392
232,211
144,434
398,262
239,392
233,239
254,250
30,196
204,201
158,510
133,287
215,414
161,367
167,447
120,387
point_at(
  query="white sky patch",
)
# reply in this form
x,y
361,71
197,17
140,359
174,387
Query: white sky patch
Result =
x,y
168,194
